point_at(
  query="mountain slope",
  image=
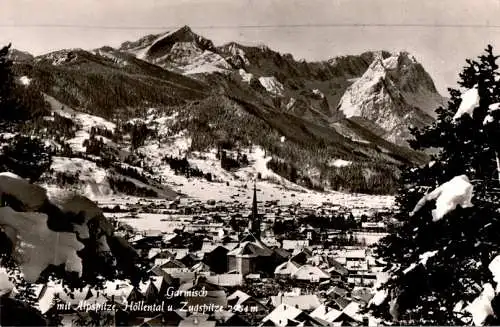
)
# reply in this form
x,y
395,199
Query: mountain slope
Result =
x,y
106,80
395,93
181,51
177,94
392,91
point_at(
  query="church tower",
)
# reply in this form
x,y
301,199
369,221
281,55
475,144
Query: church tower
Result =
x,y
254,222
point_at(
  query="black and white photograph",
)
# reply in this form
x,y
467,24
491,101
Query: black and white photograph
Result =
x,y
206,163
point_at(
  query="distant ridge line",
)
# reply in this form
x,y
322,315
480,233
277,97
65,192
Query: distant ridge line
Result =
x,y
315,25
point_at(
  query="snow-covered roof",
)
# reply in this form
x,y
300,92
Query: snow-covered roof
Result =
x,y
46,300
172,263
302,302
119,289
326,313
308,272
253,248
352,310
200,267
281,314
239,296
286,268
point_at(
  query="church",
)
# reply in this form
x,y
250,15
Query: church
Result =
x,y
252,255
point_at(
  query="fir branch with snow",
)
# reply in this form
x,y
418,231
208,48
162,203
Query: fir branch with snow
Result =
x,y
442,254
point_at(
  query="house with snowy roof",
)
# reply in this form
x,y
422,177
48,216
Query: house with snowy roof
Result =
x,y
310,273
336,270
145,242
326,313
215,299
306,302
337,292
173,266
189,259
282,253
54,294
172,239
352,311
209,245
178,252
154,288
160,261
286,269
240,299
153,252
201,267
122,291
286,315
183,276
249,257
301,256
362,295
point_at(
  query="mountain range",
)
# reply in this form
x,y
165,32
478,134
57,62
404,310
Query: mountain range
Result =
x,y
341,123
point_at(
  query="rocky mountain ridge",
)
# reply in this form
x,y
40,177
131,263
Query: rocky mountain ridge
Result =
x,y
353,108
395,93
407,98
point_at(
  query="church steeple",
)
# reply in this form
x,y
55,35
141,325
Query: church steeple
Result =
x,y
254,203
254,223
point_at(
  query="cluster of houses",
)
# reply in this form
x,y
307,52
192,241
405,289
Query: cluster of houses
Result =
x,y
232,279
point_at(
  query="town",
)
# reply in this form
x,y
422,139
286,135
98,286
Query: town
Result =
x,y
235,264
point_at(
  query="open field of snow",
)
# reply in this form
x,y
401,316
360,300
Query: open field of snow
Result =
x,y
151,222
227,186
84,121
93,179
237,186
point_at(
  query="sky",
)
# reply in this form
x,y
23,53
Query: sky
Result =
x,y
441,34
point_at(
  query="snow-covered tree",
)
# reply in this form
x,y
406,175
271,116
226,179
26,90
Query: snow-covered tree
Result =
x,y
6,76
439,258
26,156
47,235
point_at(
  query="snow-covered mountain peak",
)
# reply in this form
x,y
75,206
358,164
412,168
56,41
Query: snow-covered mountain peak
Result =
x,y
180,50
236,50
378,66
394,92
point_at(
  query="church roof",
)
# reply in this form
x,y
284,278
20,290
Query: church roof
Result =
x,y
251,246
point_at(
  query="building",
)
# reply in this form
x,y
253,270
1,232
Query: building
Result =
x,y
251,255
255,220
